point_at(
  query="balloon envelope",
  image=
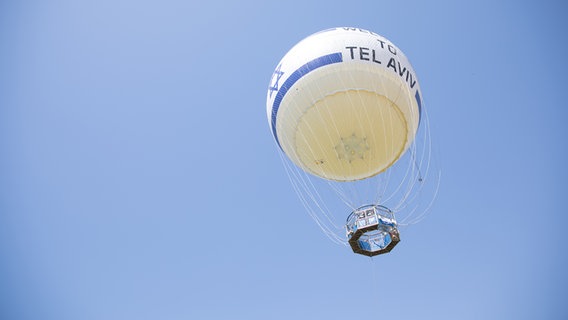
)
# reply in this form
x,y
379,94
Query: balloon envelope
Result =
x,y
344,104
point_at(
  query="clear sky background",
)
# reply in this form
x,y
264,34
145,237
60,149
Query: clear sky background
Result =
x,y
139,179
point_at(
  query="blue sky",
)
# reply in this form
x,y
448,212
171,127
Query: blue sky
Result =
x,y
139,179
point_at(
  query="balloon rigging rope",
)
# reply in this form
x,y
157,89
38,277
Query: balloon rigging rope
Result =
x,y
299,183
396,190
405,192
425,162
310,197
426,156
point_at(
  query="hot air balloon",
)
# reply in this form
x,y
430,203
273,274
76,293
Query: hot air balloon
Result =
x,y
344,106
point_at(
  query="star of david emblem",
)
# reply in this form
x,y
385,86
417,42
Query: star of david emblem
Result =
x,y
352,148
274,80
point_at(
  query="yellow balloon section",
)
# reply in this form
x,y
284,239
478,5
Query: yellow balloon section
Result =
x,y
350,135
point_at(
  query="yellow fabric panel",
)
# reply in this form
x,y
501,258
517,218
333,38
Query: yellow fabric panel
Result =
x,y
349,135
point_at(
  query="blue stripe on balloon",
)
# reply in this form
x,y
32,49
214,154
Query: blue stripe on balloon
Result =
x,y
294,77
419,102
